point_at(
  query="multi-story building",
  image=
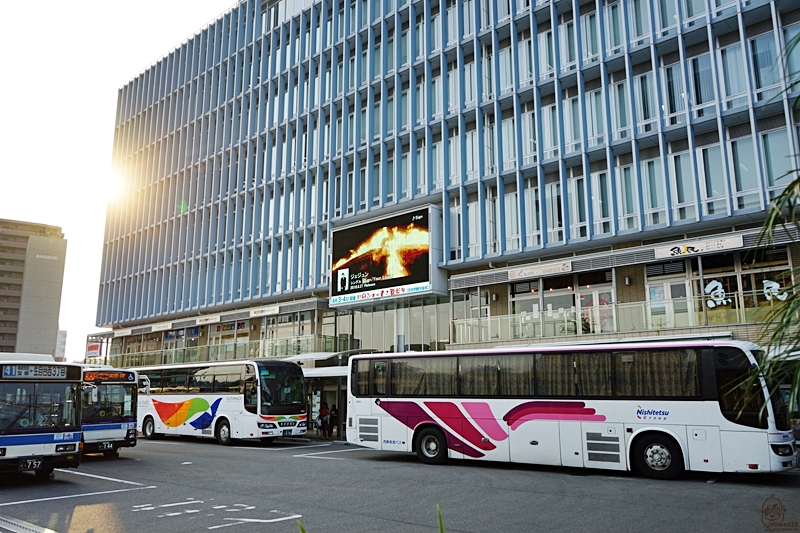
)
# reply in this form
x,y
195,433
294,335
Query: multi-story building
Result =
x,y
581,170
31,275
61,346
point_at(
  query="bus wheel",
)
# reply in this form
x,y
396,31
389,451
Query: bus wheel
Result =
x,y
149,429
658,456
224,432
267,440
431,446
45,474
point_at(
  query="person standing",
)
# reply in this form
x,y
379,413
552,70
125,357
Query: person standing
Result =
x,y
334,416
324,417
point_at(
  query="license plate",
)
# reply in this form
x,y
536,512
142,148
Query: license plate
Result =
x,y
105,446
287,432
30,463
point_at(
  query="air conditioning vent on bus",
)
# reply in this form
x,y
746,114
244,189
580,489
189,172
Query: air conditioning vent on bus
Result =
x,y
722,359
368,429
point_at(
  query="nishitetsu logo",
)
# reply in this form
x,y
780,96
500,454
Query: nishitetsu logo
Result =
x,y
651,414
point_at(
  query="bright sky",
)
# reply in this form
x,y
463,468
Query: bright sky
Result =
x,y
63,63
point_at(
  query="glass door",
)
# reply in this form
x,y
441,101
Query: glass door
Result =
x,y
668,304
597,311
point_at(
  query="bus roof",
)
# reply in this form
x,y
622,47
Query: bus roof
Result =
x,y
269,360
560,347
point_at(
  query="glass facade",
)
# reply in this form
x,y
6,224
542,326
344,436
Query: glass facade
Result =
x,y
535,129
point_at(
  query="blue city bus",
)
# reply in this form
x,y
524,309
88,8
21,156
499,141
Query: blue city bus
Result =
x,y
108,411
40,414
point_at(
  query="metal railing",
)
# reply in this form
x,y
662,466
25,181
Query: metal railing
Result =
x,y
277,348
742,308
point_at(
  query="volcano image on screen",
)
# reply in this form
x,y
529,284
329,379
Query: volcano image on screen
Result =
x,y
381,254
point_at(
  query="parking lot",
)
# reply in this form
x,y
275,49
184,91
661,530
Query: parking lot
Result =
x,y
189,485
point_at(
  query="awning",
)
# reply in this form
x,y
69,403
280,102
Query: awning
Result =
x,y
326,372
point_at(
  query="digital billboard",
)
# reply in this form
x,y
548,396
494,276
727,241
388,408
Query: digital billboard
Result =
x,y
384,258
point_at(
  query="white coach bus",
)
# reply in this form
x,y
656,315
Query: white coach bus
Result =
x,y
40,421
661,408
239,399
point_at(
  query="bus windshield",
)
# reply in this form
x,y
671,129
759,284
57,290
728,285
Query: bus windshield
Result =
x,y
280,386
37,406
113,401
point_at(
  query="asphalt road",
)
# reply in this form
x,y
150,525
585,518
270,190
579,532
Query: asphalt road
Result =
x,y
185,485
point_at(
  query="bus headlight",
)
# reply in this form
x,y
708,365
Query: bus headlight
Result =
x,y
784,450
131,435
65,447
301,424
267,425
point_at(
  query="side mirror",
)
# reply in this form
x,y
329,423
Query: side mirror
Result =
x,y
94,394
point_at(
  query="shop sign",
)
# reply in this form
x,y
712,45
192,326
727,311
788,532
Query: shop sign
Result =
x,y
264,311
699,247
537,271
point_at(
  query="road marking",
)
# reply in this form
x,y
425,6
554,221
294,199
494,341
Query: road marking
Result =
x,y
151,507
75,496
240,521
292,449
187,463
19,526
98,477
162,442
318,455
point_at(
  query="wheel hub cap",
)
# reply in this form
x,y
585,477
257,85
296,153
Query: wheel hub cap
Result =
x,y
657,457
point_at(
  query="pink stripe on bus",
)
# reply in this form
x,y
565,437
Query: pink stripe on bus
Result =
x,y
482,414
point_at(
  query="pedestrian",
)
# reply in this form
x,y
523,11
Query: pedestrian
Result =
x,y
334,414
324,417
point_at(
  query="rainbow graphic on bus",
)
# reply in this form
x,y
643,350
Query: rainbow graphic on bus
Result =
x,y
173,414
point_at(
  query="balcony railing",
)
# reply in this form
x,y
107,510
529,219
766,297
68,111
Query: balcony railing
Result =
x,y
743,308
226,352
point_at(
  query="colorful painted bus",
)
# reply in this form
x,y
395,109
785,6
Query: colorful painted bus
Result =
x,y
240,399
40,414
659,407
108,411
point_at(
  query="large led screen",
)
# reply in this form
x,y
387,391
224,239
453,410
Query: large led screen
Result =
x,y
385,258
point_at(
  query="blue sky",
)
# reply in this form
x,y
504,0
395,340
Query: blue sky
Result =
x,y
63,63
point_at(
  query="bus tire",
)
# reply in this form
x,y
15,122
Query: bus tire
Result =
x,y
149,428
431,446
224,432
658,456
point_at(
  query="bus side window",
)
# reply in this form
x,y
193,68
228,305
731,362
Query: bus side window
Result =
x,y
361,383
379,378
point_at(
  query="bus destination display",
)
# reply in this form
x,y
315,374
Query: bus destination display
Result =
x,y
109,376
34,372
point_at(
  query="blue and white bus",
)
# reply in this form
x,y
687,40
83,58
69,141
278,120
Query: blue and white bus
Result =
x,y
40,414
109,409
